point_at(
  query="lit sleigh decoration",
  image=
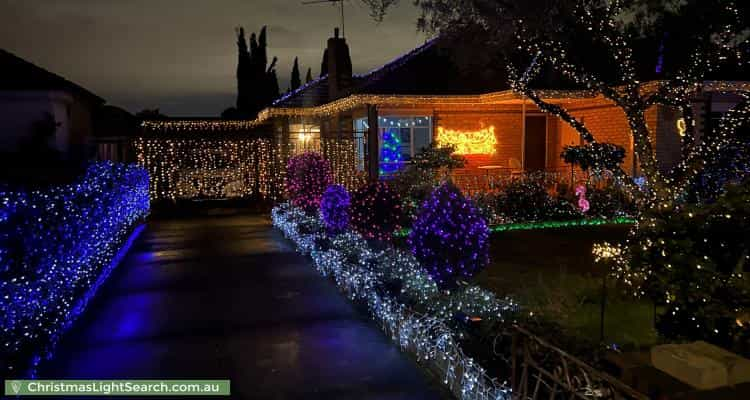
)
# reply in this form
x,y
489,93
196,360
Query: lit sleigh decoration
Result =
x,y
482,141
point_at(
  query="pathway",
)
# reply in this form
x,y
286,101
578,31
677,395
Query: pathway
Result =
x,y
225,296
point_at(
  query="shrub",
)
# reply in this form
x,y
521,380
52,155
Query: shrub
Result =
x,y
527,200
308,176
376,211
334,208
449,237
423,174
595,156
609,202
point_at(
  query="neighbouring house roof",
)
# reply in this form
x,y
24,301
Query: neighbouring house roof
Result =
x,y
17,74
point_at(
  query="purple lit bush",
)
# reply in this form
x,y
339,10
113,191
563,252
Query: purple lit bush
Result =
x,y
307,177
334,208
449,237
376,211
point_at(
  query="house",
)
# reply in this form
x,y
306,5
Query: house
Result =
x,y
424,96
30,96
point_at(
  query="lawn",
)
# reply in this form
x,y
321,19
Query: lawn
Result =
x,y
552,273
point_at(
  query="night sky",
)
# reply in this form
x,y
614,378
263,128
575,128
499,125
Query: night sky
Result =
x,y
181,55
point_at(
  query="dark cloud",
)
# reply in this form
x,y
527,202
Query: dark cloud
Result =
x,y
180,55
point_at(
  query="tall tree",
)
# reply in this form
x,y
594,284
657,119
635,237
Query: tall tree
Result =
x,y
308,78
296,81
324,63
257,84
244,77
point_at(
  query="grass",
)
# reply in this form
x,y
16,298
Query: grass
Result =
x,y
552,273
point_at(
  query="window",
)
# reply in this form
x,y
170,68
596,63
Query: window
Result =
x,y
408,134
304,137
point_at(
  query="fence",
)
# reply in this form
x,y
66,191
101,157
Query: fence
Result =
x,y
226,167
541,370
472,183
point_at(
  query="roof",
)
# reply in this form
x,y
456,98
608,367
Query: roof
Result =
x,y
430,69
311,94
19,74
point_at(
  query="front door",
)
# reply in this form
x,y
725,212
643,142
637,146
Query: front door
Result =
x,y
535,143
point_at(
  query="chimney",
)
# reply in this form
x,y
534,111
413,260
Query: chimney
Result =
x,y
339,66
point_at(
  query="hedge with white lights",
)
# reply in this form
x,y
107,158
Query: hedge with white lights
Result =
x,y
403,298
56,247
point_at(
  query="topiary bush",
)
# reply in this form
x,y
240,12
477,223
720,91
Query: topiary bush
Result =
x,y
449,236
307,177
334,208
594,156
376,211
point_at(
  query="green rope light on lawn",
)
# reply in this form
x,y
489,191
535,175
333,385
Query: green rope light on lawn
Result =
x,y
524,226
561,224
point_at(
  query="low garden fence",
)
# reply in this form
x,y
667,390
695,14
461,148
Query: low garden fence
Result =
x,y
57,245
542,371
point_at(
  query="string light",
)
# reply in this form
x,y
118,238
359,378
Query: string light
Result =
x,y
67,239
449,237
482,141
308,176
193,166
359,271
391,159
376,211
334,209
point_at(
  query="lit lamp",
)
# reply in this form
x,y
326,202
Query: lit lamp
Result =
x,y
681,127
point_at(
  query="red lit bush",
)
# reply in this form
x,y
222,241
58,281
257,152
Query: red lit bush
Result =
x,y
307,177
376,211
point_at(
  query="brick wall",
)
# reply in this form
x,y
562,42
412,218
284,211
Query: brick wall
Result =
x,y
606,122
508,127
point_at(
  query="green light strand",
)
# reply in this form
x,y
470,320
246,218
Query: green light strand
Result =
x,y
523,226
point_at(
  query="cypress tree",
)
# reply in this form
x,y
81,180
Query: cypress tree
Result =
x,y
308,78
257,84
324,63
243,69
296,82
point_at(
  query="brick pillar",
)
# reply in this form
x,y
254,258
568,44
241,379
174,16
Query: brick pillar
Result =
x,y
373,158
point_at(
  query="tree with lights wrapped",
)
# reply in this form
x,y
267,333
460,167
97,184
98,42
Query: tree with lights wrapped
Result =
x,y
449,236
694,262
308,175
376,211
694,41
334,208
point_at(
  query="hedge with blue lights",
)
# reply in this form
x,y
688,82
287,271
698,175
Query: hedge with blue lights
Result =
x,y
56,247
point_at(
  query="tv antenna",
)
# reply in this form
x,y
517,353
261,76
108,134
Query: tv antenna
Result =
x,y
341,2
